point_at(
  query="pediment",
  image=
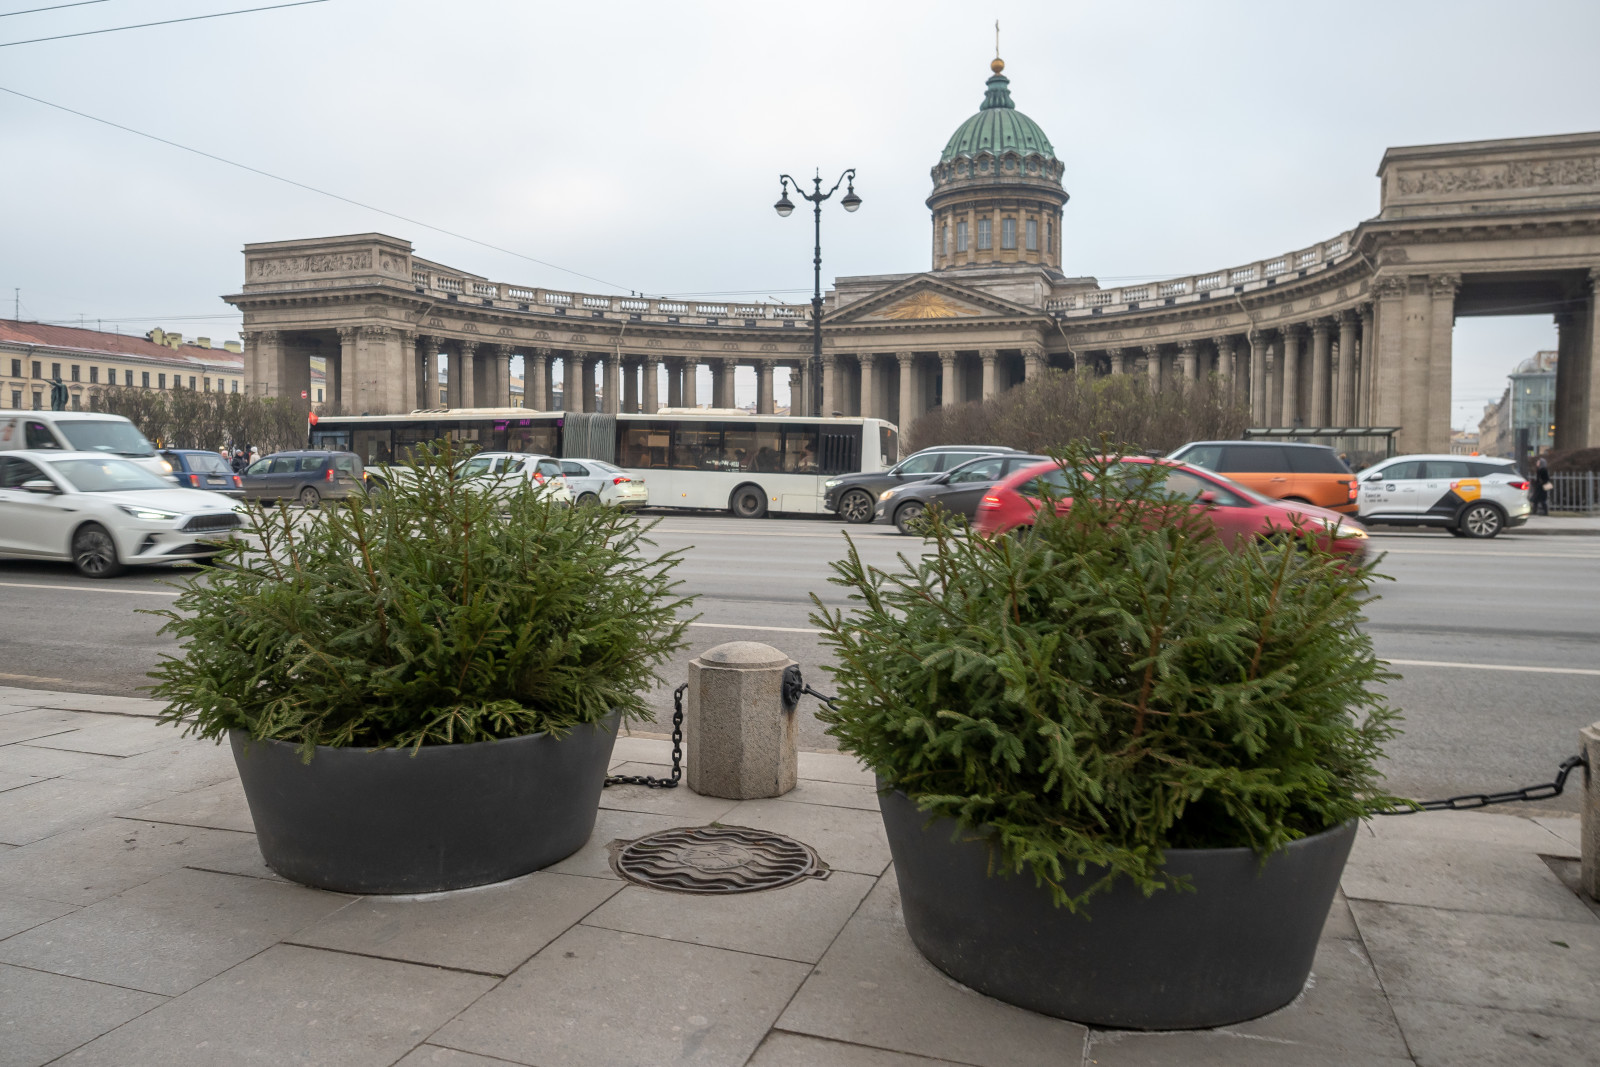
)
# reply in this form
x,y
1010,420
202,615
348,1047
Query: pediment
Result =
x,y
925,299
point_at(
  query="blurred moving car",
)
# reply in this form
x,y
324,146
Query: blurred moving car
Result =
x,y
594,481
503,472
957,490
1471,496
196,468
853,495
1283,470
307,477
84,431
104,513
1237,512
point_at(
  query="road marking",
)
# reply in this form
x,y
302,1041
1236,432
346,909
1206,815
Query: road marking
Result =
x,y
772,629
1497,555
1490,667
90,589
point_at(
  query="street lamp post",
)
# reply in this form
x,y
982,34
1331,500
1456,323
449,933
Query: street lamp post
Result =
x,y
850,201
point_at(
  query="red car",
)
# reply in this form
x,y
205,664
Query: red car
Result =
x,y
1235,512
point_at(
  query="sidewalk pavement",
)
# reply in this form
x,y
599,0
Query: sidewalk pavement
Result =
x,y
138,925
1581,525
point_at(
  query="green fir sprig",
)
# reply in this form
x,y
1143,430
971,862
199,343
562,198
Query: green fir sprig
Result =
x,y
1114,682
448,614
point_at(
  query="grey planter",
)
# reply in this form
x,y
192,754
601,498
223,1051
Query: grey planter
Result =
x,y
382,820
1238,947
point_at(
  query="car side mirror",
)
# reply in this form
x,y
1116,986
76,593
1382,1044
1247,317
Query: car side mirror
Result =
x,y
1208,497
1375,477
40,485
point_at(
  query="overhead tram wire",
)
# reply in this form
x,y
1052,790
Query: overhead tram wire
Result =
x,y
313,189
52,7
163,22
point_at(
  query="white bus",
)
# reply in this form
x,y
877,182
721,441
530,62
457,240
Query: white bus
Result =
x,y
720,459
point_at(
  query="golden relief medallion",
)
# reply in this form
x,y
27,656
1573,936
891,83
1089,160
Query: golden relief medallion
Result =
x,y
927,305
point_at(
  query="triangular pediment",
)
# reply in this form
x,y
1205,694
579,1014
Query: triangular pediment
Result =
x,y
928,299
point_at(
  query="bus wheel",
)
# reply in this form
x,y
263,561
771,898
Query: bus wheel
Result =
x,y
749,502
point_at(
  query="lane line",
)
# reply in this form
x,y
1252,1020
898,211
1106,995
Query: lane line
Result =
x,y
772,629
1496,555
89,589
1491,667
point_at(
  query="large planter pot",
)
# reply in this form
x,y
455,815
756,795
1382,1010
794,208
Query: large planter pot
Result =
x,y
385,820
1237,947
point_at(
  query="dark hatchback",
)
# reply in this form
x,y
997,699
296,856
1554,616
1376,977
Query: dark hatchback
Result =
x,y
197,468
958,490
855,496
306,477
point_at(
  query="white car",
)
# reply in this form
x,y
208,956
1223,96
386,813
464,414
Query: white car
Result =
x,y
594,481
82,431
1471,496
105,514
502,472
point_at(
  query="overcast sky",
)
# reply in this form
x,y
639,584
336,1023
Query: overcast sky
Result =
x,y
639,143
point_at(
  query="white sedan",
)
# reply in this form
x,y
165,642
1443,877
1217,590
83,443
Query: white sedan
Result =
x,y
105,514
503,472
594,481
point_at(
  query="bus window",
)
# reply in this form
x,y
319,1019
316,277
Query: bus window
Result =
x,y
696,447
521,436
800,450
841,450
645,445
373,446
888,446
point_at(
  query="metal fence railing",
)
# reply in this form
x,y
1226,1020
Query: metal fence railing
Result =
x,y
1575,491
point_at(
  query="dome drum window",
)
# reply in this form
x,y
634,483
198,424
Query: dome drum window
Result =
x,y
1008,234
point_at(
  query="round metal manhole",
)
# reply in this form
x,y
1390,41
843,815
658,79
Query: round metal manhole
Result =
x,y
716,859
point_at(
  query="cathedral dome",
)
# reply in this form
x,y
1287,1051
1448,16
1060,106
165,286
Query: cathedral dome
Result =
x,y
998,127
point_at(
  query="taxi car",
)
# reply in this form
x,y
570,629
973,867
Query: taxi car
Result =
x,y
1471,496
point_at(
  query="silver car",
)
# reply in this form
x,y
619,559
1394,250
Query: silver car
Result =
x,y
594,481
1471,496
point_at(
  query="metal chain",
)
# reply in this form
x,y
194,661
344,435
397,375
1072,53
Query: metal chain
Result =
x,y
677,752
1468,801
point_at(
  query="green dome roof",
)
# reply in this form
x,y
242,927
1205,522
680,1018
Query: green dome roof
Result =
x,y
998,127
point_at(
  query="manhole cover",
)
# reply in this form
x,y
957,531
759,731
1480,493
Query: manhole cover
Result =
x,y
716,859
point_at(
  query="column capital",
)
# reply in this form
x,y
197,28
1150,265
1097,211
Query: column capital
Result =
x,y
988,355
947,357
905,358
866,359
373,332
1348,317
1323,326
1114,352
1151,350
828,359
349,333
1295,330
467,347
1390,288
1594,277
691,361
1188,348
1224,343
1443,285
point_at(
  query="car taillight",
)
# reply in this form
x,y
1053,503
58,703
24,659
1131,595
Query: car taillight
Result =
x,y
194,479
1519,485
329,476
621,479
991,501
238,483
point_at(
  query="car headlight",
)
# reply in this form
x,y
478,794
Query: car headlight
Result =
x,y
831,482
166,466
886,494
152,514
1343,532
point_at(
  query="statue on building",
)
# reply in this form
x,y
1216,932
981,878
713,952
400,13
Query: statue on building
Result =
x,y
58,394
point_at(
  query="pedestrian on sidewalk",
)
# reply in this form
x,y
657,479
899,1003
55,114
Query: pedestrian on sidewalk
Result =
x,y
1541,487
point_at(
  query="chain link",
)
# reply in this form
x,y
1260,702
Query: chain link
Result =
x,y
677,752
1468,801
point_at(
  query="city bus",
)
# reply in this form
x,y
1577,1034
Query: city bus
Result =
x,y
722,459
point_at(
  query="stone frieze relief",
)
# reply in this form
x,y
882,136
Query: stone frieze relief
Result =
x,y
1521,174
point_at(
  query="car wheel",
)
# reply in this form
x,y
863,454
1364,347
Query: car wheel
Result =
x,y
1481,520
94,553
749,502
908,519
309,497
855,507
588,499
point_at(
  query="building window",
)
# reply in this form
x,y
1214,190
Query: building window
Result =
x,y
1033,235
77,405
235,387
38,369
1008,234
206,383
1049,236
444,398
961,236
144,378
74,372
985,240
16,398
38,401
191,381
16,368
319,396
55,370
94,375
127,378
161,381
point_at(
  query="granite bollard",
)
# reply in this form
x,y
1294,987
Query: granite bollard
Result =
x,y
740,734
1589,870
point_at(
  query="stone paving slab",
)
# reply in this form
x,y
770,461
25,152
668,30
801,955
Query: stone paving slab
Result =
x,y
292,1005
1494,879
43,1016
87,865
19,912
105,735
1458,1035
846,839
218,807
797,1050
46,808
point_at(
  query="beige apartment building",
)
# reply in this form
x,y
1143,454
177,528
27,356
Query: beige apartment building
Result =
x,y
1346,332
88,361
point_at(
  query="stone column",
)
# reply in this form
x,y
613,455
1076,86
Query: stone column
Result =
x,y
1118,358
1032,363
571,381
630,386
830,395
1225,364
691,383
1368,366
802,402
793,374
1291,374
1442,320
1189,353
1258,377
947,377
427,394
1319,413
730,369
1152,367
652,384
1345,396
1589,365
401,393
675,383
343,388
533,381
764,401
1569,329
461,384
990,381
907,361
869,363
611,378
589,365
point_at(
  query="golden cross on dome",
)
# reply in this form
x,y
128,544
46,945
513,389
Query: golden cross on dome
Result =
x,y
999,64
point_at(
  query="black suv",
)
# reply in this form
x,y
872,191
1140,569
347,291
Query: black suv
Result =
x,y
855,496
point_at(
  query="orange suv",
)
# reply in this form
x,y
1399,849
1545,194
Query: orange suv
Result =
x,y
1284,470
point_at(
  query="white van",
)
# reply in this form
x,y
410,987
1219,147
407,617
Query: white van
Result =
x,y
80,431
